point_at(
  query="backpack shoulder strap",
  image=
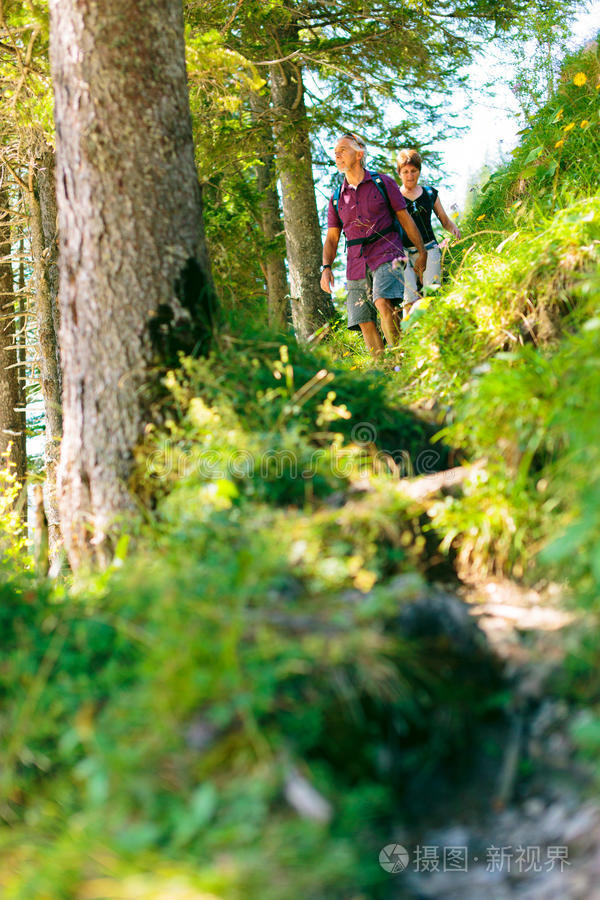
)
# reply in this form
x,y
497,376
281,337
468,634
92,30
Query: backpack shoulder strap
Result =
x,y
432,194
335,197
380,185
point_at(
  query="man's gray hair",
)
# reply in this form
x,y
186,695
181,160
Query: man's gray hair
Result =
x,y
359,144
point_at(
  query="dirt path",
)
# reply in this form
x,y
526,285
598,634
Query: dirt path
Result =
x,y
530,826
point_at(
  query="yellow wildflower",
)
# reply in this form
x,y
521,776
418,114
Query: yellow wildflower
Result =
x,y
580,79
479,218
364,580
559,143
585,123
569,127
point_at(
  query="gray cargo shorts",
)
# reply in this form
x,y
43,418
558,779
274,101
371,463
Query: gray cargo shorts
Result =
x,y
387,280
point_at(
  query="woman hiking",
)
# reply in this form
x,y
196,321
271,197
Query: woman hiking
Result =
x,y
421,201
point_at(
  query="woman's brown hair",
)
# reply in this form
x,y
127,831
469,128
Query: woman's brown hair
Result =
x,y
408,158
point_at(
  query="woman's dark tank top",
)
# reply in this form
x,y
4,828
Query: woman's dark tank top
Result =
x,y
421,209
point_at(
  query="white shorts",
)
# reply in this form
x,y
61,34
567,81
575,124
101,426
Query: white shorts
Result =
x,y
431,275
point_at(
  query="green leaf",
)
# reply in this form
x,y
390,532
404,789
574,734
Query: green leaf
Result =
x,y
528,172
488,183
533,154
200,811
551,168
136,837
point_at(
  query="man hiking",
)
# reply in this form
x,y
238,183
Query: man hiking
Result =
x,y
364,209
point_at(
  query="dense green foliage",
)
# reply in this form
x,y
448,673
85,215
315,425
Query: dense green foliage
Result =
x,y
511,345
249,638
159,712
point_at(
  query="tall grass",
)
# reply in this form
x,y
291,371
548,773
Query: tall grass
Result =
x,y
508,349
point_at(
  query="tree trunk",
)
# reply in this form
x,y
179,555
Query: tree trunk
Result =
x,y
133,287
46,181
48,355
12,412
21,336
311,307
272,225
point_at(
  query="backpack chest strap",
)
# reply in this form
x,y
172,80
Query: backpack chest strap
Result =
x,y
371,238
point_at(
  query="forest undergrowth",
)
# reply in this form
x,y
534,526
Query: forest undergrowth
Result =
x,y
238,707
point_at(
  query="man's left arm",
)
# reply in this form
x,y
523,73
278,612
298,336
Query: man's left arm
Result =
x,y
408,223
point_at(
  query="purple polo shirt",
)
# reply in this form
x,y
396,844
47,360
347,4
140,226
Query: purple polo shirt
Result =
x,y
363,212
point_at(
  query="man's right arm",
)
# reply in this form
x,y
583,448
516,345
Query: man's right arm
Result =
x,y
408,223
329,251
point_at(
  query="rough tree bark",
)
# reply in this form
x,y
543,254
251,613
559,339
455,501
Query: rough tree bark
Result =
x,y
12,412
311,307
44,256
273,264
21,332
133,287
46,183
272,228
